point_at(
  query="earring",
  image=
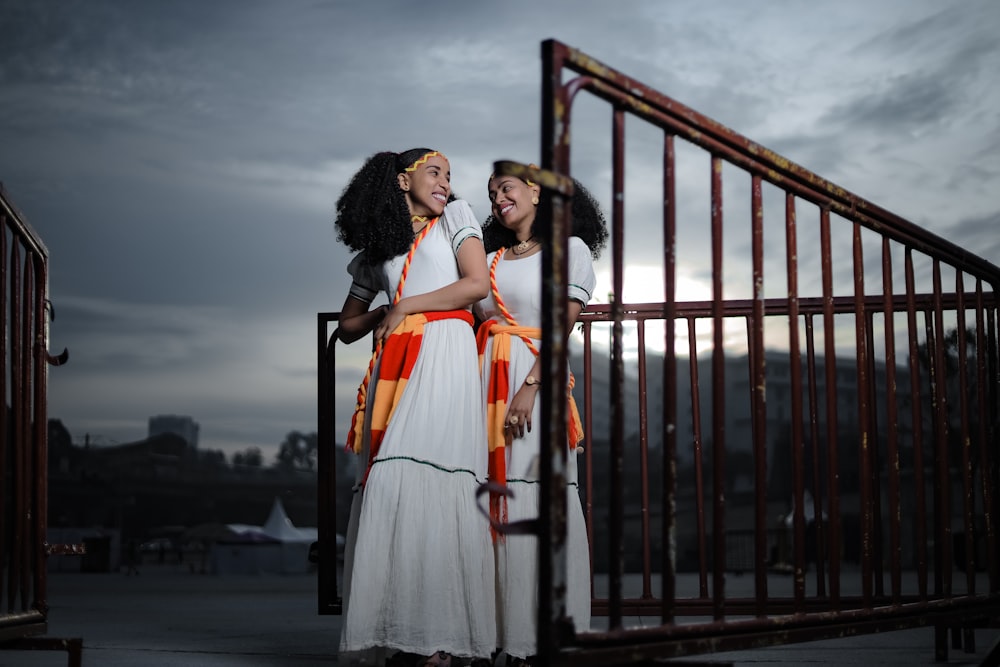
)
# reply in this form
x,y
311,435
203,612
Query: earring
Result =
x,y
534,200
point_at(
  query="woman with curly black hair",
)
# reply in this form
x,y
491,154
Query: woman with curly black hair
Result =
x,y
509,342
418,569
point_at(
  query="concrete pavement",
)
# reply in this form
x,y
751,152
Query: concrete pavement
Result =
x,y
168,617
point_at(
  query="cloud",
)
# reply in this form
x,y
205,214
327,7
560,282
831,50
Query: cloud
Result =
x,y
181,160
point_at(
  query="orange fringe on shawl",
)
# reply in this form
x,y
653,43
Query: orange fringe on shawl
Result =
x,y
399,354
496,404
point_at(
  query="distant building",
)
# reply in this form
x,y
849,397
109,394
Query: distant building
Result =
x,y
181,425
737,421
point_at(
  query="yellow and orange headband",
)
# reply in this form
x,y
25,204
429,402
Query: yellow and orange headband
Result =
x,y
526,180
422,159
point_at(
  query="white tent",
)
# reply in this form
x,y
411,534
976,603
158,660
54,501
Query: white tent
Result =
x,y
294,541
276,547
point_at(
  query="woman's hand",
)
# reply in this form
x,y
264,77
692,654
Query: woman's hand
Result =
x,y
518,419
390,320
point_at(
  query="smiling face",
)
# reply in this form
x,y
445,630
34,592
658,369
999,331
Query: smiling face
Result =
x,y
427,187
514,203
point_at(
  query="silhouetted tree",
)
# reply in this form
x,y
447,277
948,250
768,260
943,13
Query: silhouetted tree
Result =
x,y
949,380
251,456
212,458
298,451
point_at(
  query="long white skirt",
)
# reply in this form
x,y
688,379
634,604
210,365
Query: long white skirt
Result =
x,y
419,563
517,555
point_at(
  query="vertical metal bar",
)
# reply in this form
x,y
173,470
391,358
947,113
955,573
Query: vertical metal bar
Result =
x,y
930,342
18,559
892,419
553,468
669,508
942,487
547,641
991,474
968,502
942,466
983,416
39,421
699,466
647,587
718,402
617,374
817,481
830,381
864,446
917,428
795,372
554,210
588,452
27,537
758,395
755,396
5,416
328,597
873,458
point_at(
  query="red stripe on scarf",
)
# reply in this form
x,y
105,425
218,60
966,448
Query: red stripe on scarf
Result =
x,y
496,413
497,391
399,354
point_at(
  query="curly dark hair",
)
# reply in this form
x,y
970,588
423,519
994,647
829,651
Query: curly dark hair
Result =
x,y
372,214
588,224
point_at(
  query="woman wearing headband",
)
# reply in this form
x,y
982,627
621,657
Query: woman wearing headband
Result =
x,y
418,568
509,342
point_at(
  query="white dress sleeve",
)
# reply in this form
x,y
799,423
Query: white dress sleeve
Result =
x,y
460,223
365,284
582,279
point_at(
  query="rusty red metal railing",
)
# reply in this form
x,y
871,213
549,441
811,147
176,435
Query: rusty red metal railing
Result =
x,y
857,403
23,432
860,448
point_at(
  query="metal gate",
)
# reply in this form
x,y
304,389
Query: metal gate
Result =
x,y
879,413
24,363
872,425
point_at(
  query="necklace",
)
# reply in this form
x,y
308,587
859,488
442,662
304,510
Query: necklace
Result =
x,y
524,246
418,219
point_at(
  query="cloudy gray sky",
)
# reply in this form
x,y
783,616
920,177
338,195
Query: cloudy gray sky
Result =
x,y
181,160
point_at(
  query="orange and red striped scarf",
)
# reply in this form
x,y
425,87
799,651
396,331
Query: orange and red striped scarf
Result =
x,y
398,355
499,388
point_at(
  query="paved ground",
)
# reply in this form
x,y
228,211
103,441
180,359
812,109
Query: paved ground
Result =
x,y
167,617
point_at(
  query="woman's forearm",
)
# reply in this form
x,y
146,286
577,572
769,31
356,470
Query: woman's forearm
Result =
x,y
352,327
572,316
460,294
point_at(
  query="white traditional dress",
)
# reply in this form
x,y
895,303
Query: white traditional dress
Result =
x,y
519,282
419,563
